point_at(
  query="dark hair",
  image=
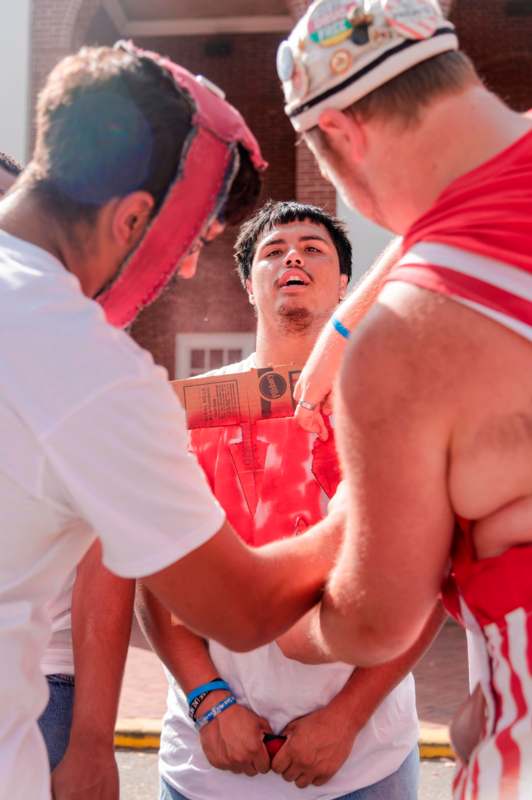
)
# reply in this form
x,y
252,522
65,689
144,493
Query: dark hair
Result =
x,y
109,122
282,213
244,192
10,165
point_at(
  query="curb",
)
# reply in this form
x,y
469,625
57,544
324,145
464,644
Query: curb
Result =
x,y
145,734
138,734
434,742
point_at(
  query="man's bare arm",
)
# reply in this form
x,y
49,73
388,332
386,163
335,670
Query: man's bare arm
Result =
x,y
369,686
319,743
102,606
183,653
246,597
319,373
396,411
395,417
234,740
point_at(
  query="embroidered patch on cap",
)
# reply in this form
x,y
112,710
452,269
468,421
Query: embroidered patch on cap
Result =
x,y
285,62
413,20
329,23
341,61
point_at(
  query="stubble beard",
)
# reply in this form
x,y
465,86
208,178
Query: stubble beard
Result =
x,y
294,320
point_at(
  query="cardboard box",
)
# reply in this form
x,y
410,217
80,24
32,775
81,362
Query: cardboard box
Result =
x,y
238,398
268,457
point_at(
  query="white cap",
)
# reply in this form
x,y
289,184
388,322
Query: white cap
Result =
x,y
341,50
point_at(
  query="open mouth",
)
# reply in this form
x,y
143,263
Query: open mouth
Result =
x,y
293,277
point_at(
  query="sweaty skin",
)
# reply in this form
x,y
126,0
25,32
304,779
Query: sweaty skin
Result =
x,y
432,443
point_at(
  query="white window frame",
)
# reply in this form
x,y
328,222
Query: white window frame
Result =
x,y
186,342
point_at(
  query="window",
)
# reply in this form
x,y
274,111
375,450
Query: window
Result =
x,y
201,352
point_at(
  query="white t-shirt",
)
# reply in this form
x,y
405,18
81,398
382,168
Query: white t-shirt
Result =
x,y
92,440
280,690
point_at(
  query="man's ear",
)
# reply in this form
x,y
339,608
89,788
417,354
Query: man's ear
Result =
x,y
344,133
131,216
344,280
249,290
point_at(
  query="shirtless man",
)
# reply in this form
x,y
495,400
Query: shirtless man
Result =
x,y
434,401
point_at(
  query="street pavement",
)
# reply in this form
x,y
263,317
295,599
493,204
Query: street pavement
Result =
x,y
138,777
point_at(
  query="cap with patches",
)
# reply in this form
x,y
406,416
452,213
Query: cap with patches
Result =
x,y
341,50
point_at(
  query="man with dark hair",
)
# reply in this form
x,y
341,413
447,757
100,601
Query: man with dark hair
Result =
x,y
433,413
94,443
348,733
275,213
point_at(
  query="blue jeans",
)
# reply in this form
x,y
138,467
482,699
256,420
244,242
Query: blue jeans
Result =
x,y
400,785
56,719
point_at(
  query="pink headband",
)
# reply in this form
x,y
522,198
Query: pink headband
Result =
x,y
198,192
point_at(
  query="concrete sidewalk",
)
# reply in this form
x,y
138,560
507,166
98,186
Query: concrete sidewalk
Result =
x,y
441,681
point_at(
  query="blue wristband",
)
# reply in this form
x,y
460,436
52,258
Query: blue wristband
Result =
x,y
213,712
211,686
340,328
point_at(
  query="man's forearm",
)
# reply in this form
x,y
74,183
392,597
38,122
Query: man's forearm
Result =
x,y
246,597
102,607
368,686
184,654
365,293
307,642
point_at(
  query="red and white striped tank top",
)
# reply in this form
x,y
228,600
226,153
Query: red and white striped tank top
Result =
x,y
475,246
475,243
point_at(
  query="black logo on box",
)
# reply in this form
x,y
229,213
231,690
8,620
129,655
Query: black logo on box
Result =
x,y
272,386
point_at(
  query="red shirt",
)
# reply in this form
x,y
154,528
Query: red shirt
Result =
x,y
475,243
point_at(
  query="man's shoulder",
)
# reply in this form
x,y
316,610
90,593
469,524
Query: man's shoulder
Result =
x,y
418,348
57,349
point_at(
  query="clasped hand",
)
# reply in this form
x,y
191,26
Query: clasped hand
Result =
x,y
234,741
316,746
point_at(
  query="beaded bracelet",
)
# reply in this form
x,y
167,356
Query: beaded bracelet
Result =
x,y
213,712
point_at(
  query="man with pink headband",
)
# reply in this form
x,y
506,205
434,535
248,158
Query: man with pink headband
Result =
x,y
135,159
433,410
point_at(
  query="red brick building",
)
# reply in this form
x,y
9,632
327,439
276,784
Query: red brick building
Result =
x,y
200,323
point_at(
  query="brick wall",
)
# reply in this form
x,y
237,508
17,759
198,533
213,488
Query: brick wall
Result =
x,y
500,46
58,28
297,7
100,30
310,186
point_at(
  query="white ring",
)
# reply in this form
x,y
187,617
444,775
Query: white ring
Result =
x,y
306,405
